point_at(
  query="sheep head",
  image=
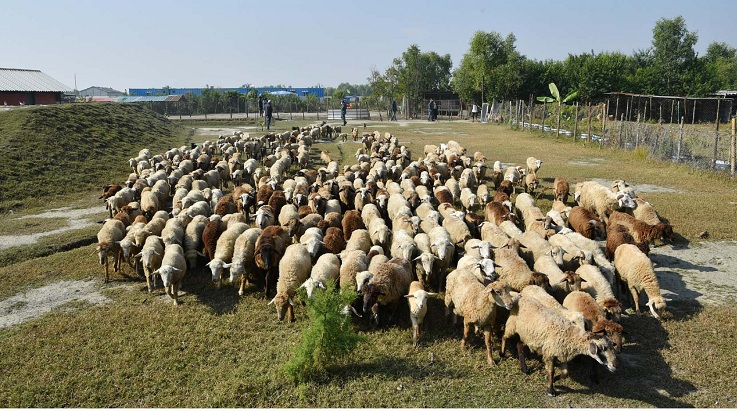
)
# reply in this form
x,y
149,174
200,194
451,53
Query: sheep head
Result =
x,y
499,292
602,351
284,304
371,294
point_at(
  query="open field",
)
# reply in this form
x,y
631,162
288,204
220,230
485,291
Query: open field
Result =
x,y
68,341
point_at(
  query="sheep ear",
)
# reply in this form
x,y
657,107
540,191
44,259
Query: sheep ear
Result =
x,y
475,247
226,265
432,294
416,258
592,222
291,302
408,296
667,299
272,301
208,264
139,255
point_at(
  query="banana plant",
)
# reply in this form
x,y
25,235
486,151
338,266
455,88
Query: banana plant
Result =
x,y
556,98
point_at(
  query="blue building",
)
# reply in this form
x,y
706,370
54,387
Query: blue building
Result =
x,y
298,91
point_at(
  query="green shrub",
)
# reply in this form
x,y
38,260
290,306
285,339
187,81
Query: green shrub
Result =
x,y
328,335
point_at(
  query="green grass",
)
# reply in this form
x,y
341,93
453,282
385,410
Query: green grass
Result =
x,y
221,350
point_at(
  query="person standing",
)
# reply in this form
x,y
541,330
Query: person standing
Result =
x,y
394,110
431,110
268,112
474,111
260,106
343,110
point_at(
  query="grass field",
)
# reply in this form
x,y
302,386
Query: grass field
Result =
x,y
222,350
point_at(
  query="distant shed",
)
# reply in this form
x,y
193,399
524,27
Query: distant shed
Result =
x,y
28,87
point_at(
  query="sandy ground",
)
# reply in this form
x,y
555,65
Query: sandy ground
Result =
x,y
76,219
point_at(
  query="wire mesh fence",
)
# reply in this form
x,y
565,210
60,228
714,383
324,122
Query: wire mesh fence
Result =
x,y
701,144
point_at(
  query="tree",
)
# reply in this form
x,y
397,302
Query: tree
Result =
x,y
673,57
488,68
556,98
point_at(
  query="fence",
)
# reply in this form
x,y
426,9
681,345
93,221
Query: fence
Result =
x,y
703,145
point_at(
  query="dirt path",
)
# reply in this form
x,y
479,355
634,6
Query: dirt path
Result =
x,y
76,219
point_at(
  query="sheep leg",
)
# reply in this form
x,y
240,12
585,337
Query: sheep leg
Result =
x,y
415,336
243,284
522,358
550,370
107,275
466,334
175,291
489,346
635,298
290,313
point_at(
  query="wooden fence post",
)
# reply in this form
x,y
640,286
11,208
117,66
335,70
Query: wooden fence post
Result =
x,y
716,139
732,148
680,139
575,124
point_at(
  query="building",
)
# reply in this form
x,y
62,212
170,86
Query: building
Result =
x,y
298,91
96,91
23,86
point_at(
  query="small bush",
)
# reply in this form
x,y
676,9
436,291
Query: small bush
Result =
x,y
328,335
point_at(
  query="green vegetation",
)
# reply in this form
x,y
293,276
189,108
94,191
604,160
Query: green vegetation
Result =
x,y
329,335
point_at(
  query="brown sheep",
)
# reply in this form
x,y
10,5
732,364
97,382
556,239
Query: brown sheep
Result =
x,y
263,194
352,221
618,235
225,206
561,189
586,223
110,190
531,183
304,210
277,201
497,213
269,248
444,195
641,231
387,287
210,236
500,197
334,241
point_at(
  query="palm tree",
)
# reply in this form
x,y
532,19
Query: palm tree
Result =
x,y
556,97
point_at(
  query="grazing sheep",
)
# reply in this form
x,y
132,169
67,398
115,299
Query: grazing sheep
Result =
x,y
294,269
151,256
636,271
353,262
224,251
511,267
641,231
599,288
561,189
594,316
477,304
586,223
172,271
533,165
618,235
417,298
601,200
555,338
389,283
645,212
243,264
327,268
108,243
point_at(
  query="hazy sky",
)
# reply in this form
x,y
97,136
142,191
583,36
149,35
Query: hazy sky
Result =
x,y
186,43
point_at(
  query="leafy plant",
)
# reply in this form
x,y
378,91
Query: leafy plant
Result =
x,y
556,98
327,337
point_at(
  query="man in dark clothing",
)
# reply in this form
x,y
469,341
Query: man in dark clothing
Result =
x,y
343,110
431,110
260,106
393,111
268,111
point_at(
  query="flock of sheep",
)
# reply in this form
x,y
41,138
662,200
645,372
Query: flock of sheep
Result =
x,y
393,228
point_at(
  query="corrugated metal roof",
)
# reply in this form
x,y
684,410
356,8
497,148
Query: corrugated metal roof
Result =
x,y
138,99
29,80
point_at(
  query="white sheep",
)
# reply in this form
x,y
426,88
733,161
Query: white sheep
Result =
x,y
294,268
599,287
224,251
243,263
151,256
636,270
601,200
493,234
172,271
468,199
173,232
352,263
193,239
327,268
549,301
417,298
477,304
511,267
555,338
360,240
312,239
108,243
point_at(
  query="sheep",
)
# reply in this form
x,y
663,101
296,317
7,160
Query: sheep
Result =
x,y
594,316
193,239
243,262
441,244
172,271
333,240
224,251
352,221
592,251
636,271
362,278
530,183
458,230
294,269
492,234
511,267
645,212
468,198
587,223
108,242
173,232
389,283
268,251
353,262
534,246
327,268
599,288
478,248
128,245
539,293
403,245
601,200
561,282
495,212
618,235
555,338
417,298
264,216
213,229
485,266
312,239
624,187
477,304
641,231
151,256
225,205
360,240
533,165
380,234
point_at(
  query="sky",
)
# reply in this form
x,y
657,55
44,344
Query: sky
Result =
x,y
228,43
